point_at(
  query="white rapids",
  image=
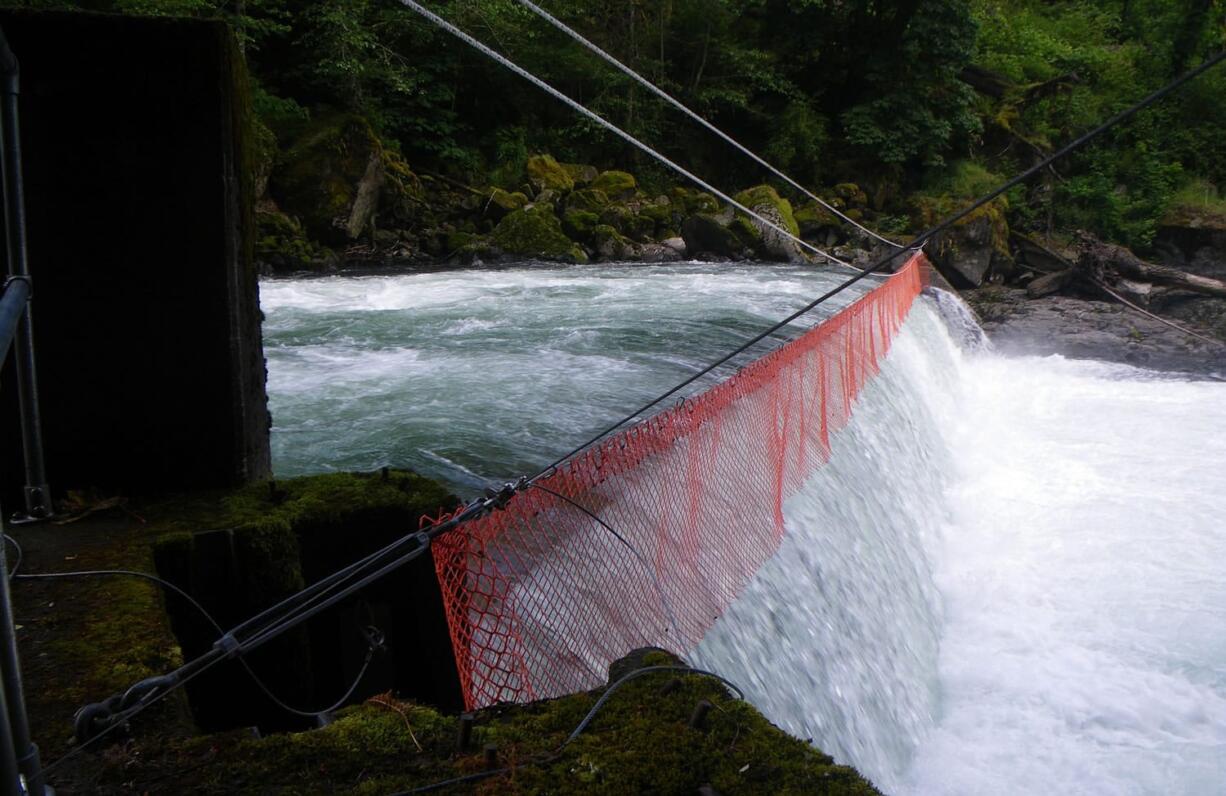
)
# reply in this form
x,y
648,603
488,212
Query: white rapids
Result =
x,y
1009,579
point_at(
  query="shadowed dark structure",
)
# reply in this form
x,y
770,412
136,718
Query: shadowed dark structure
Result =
x,y
139,218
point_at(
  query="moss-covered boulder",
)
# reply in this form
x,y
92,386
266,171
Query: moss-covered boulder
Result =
x,y
536,232
498,203
282,246
588,199
812,219
609,244
705,235
975,248
579,224
616,184
766,202
851,194
331,178
546,173
690,202
583,175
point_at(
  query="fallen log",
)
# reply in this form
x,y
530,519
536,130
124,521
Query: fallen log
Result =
x,y
1107,262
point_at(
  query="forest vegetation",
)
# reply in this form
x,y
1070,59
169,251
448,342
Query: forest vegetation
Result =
x,y
920,103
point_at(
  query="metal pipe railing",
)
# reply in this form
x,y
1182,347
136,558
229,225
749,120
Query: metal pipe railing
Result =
x,y
37,493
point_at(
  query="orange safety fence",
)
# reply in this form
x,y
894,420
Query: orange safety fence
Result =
x,y
541,596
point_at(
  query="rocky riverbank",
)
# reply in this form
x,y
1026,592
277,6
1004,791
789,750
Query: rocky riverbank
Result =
x,y
336,195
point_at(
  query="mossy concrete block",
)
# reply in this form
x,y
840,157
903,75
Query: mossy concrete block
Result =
x,y
616,184
637,743
545,173
536,232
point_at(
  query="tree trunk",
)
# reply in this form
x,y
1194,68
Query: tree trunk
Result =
x,y
1108,262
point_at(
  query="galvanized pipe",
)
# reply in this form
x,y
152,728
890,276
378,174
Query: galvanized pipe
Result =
x,y
37,493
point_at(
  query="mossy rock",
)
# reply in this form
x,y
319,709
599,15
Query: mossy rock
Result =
x,y
765,198
852,194
770,242
589,199
546,173
660,214
499,202
972,249
812,218
582,175
692,202
616,184
705,235
609,244
536,232
330,178
579,224
282,246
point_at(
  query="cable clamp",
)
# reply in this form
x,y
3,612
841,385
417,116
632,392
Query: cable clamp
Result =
x,y
228,645
498,498
20,278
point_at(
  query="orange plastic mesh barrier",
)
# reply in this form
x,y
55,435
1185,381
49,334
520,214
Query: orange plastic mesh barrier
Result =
x,y
541,597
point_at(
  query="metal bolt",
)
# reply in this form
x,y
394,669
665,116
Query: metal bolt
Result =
x,y
698,719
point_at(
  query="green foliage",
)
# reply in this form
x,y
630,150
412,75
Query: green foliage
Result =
x,y
859,90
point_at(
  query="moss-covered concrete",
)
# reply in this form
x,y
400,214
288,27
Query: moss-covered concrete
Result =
x,y
640,742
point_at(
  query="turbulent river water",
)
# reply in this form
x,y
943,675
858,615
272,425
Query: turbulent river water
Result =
x,y
1008,579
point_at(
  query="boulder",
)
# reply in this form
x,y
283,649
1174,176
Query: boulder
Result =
x,y
975,248
851,194
536,232
704,234
498,203
609,244
767,203
812,219
579,224
545,173
616,184
588,199
331,178
282,246
581,174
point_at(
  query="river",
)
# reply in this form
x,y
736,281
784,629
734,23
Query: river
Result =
x,y
1008,578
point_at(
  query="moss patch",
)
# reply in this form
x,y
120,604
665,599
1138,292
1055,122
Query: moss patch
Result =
x,y
640,742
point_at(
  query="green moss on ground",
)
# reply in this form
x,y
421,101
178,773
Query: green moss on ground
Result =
x,y
640,742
